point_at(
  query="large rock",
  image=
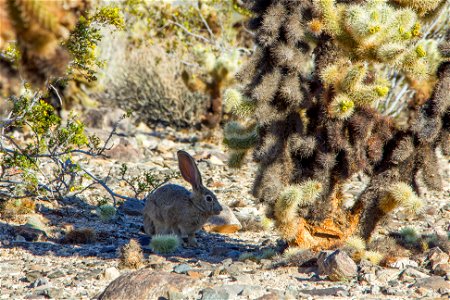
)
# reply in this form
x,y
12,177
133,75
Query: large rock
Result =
x,y
225,222
436,257
147,284
133,207
337,265
124,151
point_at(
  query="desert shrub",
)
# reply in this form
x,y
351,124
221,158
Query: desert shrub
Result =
x,y
195,41
80,236
148,82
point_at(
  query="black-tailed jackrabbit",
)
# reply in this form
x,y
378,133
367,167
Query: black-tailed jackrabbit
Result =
x,y
172,209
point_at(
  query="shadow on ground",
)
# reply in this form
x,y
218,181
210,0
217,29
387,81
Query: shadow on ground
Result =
x,y
110,236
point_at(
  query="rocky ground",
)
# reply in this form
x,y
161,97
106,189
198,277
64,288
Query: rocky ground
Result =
x,y
38,264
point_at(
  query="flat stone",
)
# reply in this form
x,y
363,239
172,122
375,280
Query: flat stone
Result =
x,y
337,265
386,275
56,274
214,294
436,256
165,146
252,291
232,289
32,276
39,282
243,279
124,151
269,296
196,275
434,282
333,291
146,284
10,267
29,233
411,272
182,269
55,293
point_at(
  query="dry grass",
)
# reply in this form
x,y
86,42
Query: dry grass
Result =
x,y
80,236
16,209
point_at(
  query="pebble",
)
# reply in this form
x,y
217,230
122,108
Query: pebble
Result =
x,y
214,294
182,269
337,265
442,270
111,273
33,276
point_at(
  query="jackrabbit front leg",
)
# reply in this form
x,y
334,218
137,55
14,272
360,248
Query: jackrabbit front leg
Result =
x,y
191,240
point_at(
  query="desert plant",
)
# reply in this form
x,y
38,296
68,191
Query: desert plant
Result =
x,y
206,40
106,212
52,47
145,181
80,236
164,243
50,161
148,82
307,95
14,208
131,255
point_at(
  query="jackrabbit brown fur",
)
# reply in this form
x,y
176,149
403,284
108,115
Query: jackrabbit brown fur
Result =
x,y
172,209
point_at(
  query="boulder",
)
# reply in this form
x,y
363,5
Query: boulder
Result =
x,y
146,284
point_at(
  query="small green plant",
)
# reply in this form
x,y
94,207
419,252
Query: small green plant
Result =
x,y
106,212
409,235
266,223
164,243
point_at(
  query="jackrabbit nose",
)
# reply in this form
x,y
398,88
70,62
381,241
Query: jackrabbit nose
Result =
x,y
218,209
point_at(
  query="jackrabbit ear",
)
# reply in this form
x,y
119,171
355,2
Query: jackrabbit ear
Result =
x,y
189,169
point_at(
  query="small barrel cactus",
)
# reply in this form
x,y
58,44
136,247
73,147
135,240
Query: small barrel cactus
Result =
x,y
106,212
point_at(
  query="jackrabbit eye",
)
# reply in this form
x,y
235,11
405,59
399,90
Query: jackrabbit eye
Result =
x,y
208,198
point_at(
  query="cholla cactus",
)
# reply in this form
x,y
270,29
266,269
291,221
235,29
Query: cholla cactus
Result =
x,y
38,30
219,73
307,99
